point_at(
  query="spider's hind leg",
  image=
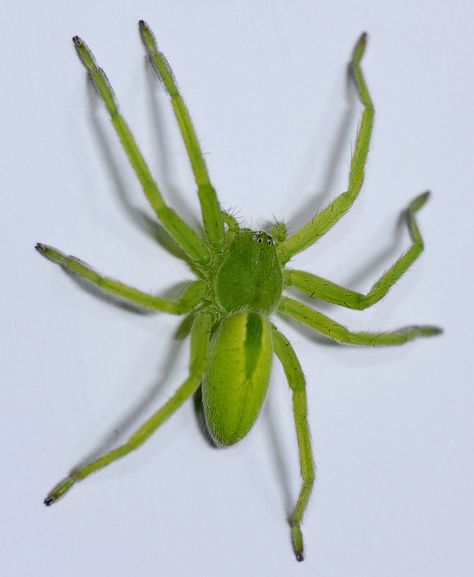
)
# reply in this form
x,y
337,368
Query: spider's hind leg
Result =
x,y
199,350
296,380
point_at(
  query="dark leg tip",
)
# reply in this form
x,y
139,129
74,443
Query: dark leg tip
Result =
x,y
39,247
359,49
299,557
49,501
436,331
424,196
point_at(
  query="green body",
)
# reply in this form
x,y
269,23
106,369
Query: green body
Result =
x,y
247,288
249,278
236,380
241,277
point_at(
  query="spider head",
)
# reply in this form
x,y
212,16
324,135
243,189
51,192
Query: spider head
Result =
x,y
262,238
249,277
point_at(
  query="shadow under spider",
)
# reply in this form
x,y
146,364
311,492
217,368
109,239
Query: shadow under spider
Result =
x,y
158,102
138,216
154,230
280,458
132,417
319,197
371,270
88,287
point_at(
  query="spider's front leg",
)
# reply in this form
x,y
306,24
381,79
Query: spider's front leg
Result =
x,y
296,380
188,240
189,299
200,336
324,220
211,211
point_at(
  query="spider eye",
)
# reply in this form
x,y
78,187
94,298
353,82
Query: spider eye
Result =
x,y
260,240
270,241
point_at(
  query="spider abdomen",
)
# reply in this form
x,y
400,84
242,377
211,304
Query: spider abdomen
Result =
x,y
236,381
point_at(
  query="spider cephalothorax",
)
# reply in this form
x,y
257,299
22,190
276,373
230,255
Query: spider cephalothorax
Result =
x,y
242,274
249,276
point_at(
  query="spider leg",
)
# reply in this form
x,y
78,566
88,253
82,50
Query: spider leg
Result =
x,y
231,222
279,232
199,349
323,221
211,211
183,234
296,380
189,299
323,289
326,326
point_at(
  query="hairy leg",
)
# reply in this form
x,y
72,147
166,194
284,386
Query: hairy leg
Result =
x,y
231,222
210,209
183,234
323,289
199,348
295,376
279,232
323,221
190,298
326,326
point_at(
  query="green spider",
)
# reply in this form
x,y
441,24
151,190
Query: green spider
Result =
x,y
242,274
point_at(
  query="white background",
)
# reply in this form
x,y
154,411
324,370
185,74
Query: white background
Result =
x,y
266,85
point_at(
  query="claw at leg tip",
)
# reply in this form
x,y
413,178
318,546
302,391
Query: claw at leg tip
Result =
x,y
359,48
49,501
362,42
297,541
437,331
143,27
